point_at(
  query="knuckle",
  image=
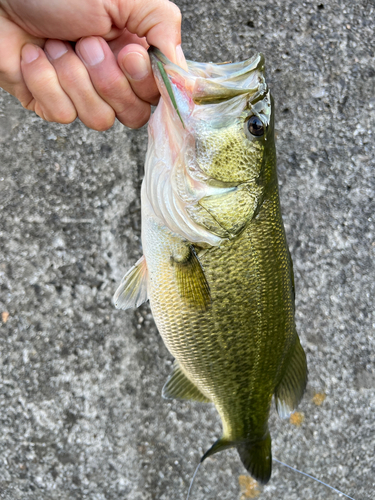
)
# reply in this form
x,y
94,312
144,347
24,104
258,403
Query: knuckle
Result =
x,y
65,116
140,122
176,13
55,112
8,80
112,84
43,84
72,77
38,110
154,99
136,120
10,73
28,104
102,122
129,101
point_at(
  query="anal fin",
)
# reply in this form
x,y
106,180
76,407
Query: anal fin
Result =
x,y
178,386
290,390
132,291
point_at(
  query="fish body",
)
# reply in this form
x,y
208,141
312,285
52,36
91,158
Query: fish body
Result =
x,y
216,265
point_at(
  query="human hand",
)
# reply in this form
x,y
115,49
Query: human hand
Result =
x,y
108,72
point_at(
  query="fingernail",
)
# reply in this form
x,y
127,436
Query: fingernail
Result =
x,y
181,61
135,65
29,53
91,51
55,49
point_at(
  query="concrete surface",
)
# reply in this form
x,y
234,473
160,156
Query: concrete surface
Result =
x,y
81,414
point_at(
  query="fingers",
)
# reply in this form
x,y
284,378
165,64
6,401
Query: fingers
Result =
x,y
142,81
89,84
131,108
159,21
75,81
136,65
48,100
12,39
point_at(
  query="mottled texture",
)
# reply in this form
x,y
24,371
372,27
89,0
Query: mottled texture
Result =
x,y
240,347
224,154
240,342
81,413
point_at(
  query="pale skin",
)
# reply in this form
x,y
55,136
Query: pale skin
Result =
x,y
105,75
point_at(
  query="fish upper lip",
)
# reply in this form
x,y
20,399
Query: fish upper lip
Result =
x,y
156,55
254,63
210,83
231,78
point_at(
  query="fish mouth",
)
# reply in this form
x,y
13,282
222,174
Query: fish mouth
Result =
x,y
160,65
158,55
212,83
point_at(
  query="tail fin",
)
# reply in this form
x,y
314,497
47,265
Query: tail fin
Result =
x,y
219,445
255,455
257,458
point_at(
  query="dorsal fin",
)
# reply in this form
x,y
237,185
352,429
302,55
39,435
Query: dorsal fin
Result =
x,y
178,386
132,291
290,390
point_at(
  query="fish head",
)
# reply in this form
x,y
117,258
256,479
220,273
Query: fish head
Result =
x,y
219,114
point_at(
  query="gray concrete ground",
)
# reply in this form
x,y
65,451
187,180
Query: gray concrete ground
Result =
x,y
81,414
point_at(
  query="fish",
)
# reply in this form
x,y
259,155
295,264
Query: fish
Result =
x,y
216,266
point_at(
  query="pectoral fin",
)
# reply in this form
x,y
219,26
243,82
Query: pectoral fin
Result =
x,y
132,291
178,386
289,392
191,280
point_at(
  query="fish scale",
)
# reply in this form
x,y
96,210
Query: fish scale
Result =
x,y
216,266
227,349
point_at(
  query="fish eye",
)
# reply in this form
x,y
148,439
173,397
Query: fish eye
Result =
x,y
255,126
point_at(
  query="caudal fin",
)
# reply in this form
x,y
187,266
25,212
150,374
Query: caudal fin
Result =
x,y
255,455
257,458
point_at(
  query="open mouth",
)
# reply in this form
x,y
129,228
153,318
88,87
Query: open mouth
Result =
x,y
213,83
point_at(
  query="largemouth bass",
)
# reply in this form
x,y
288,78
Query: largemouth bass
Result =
x,y
216,266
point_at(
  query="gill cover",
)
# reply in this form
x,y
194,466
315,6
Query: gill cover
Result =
x,y
185,181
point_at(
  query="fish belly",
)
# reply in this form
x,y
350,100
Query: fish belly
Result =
x,y
235,351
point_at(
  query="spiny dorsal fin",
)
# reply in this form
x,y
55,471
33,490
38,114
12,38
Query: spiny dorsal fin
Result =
x,y
191,280
132,291
289,392
178,386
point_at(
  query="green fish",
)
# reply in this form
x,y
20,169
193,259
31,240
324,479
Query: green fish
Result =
x,y
216,265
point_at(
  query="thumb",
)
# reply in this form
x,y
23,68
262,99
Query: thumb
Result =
x,y
159,21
